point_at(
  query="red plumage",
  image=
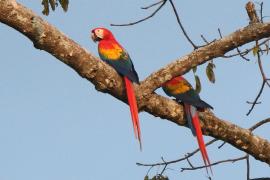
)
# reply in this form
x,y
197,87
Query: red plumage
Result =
x,y
180,88
133,110
116,56
199,135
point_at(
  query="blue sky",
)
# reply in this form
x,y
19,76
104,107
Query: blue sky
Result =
x,y
55,125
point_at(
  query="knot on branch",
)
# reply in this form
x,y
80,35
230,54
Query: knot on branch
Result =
x,y
39,33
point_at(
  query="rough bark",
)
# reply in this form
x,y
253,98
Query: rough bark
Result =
x,y
46,37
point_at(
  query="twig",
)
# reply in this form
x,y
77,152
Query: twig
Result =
x,y
261,67
152,5
181,26
204,39
261,12
191,165
215,163
219,32
220,146
242,55
248,168
164,167
178,160
144,19
239,53
265,81
255,126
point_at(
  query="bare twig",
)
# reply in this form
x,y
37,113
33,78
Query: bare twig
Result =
x,y
248,167
242,54
246,51
255,126
204,39
191,165
216,163
144,19
219,32
181,26
261,12
164,168
152,5
265,81
178,160
239,53
261,67
220,146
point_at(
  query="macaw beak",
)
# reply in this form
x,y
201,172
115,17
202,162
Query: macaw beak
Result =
x,y
94,37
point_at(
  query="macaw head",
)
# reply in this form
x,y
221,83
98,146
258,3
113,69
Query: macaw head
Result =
x,y
99,34
173,81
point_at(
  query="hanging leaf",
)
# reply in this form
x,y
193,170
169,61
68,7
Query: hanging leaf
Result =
x,y
64,4
53,4
194,69
255,50
198,84
210,72
46,9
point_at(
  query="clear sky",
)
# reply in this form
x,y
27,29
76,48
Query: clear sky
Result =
x,y
54,125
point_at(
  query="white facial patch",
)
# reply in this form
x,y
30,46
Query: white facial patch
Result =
x,y
99,33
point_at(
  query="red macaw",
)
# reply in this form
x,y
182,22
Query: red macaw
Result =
x,y
116,56
180,89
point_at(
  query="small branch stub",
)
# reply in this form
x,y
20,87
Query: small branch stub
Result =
x,y
250,7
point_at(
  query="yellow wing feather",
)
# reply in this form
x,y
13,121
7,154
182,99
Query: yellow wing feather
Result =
x,y
179,88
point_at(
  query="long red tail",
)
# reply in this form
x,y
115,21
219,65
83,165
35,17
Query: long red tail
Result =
x,y
133,110
196,125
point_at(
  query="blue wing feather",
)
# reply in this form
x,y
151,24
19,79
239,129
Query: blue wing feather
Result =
x,y
123,66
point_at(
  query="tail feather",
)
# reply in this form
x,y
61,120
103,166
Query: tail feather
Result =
x,y
133,110
193,114
189,119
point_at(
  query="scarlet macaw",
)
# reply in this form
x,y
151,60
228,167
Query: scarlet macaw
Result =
x,y
116,56
180,89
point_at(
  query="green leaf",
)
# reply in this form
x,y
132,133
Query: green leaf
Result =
x,y
255,50
46,9
64,4
146,177
52,3
194,69
210,72
198,84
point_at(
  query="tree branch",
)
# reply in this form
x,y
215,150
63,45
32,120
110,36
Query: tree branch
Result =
x,y
163,2
216,163
46,37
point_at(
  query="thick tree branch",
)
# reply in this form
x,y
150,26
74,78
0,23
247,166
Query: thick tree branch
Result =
x,y
48,38
199,56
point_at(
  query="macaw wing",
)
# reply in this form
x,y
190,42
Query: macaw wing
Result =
x,y
123,65
192,98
